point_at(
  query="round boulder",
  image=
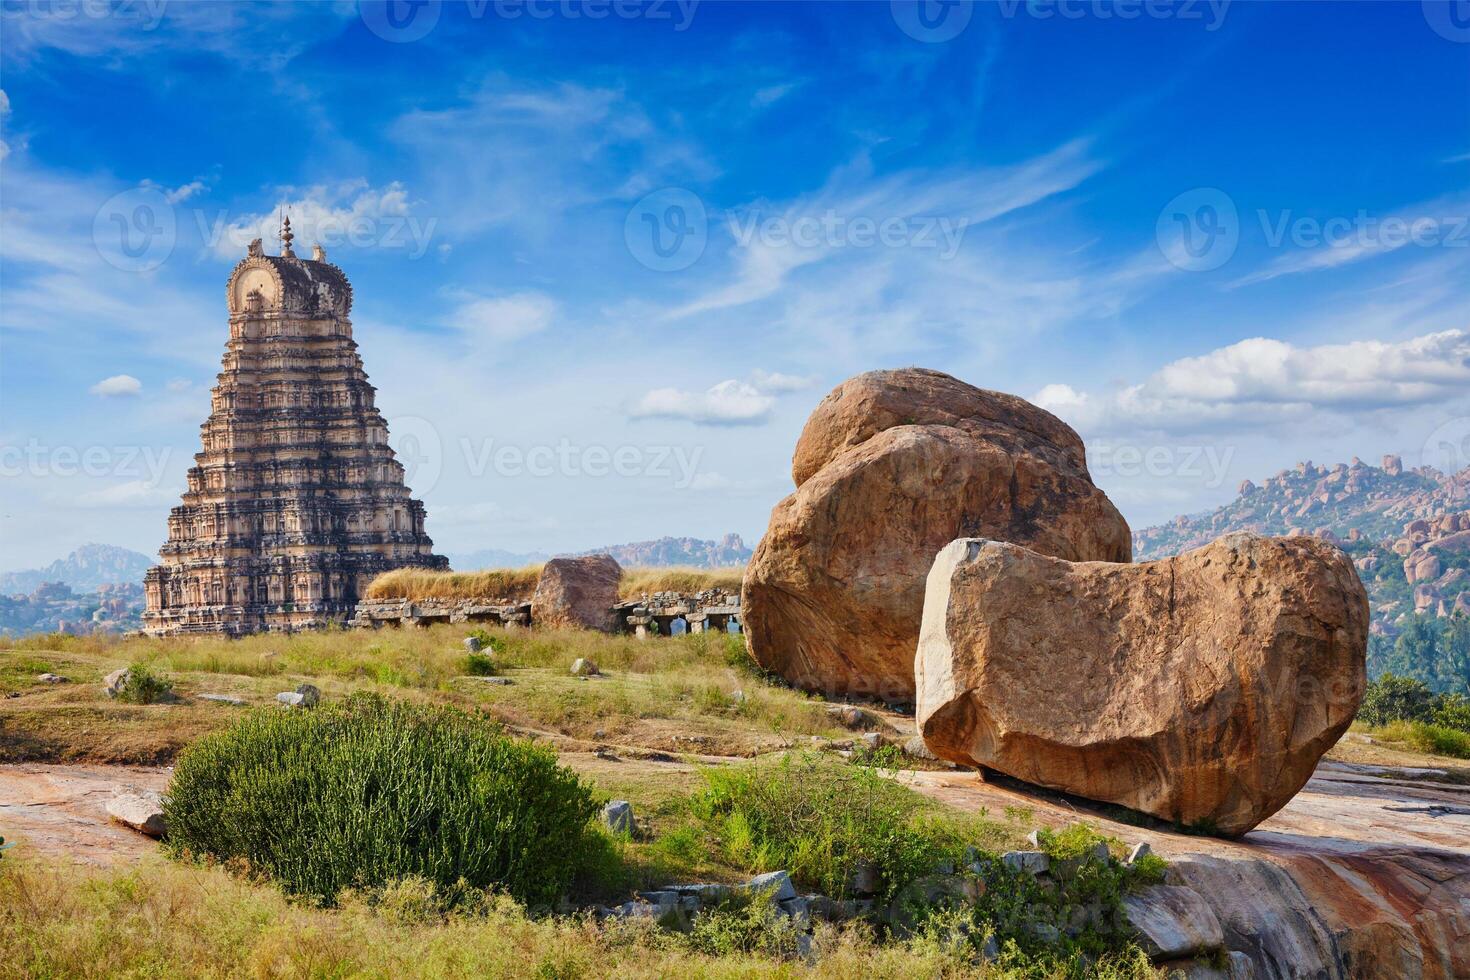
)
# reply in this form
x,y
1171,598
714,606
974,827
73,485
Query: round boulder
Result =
x,y
891,467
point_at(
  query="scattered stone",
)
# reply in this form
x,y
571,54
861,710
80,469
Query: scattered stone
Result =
x,y
890,467
798,909
1140,850
483,679
582,667
114,682
864,879
617,816
851,716
1173,922
871,740
472,644
577,592
140,811
1217,719
737,697
229,699
777,882
305,696
49,678
1031,862
916,749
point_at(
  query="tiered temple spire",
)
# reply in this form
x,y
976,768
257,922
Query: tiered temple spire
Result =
x,y
296,501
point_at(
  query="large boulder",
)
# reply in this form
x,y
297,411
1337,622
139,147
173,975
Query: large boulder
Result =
x,y
891,467
577,592
1201,688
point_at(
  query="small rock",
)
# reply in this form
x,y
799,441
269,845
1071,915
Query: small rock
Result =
x,y
777,882
798,909
222,699
472,644
141,811
498,681
114,682
916,749
311,696
617,816
1044,932
1140,850
806,946
582,667
49,678
1031,862
737,697
290,699
864,879
849,716
1034,838
871,740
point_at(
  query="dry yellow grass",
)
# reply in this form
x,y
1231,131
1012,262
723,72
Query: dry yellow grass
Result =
x,y
517,584
637,581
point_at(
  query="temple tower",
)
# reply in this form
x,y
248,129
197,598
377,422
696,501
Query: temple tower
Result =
x,y
296,501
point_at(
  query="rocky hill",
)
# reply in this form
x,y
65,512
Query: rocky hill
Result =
x,y
87,569
1408,531
54,607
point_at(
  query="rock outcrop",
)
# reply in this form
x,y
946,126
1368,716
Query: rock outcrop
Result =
x,y
577,592
1201,688
891,466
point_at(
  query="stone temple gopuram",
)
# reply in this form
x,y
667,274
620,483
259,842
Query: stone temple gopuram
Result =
x,y
296,502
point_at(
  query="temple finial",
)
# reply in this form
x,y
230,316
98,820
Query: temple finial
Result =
x,y
286,237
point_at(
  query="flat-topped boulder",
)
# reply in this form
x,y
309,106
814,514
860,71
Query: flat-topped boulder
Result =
x,y
577,592
1201,688
891,467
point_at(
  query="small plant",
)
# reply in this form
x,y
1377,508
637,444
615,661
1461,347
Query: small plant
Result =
x,y
742,924
370,791
884,756
479,665
4,846
142,686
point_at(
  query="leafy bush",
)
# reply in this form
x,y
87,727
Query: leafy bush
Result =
x,y
142,686
479,665
743,923
820,820
1392,698
1425,737
371,791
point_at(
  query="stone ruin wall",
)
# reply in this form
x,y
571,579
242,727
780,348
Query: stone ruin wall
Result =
x,y
658,614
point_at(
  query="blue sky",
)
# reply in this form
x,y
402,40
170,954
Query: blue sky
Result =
x,y
1216,238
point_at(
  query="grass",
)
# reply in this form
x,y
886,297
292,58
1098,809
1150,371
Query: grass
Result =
x,y
1421,736
510,584
673,694
164,920
518,584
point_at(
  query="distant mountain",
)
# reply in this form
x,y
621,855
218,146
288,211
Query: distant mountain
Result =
x,y
728,552
1408,531
85,570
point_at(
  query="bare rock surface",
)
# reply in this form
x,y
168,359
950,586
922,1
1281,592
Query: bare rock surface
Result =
x,y
577,592
1201,689
892,466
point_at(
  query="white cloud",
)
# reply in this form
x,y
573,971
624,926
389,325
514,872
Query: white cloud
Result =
x,y
350,213
181,194
502,318
116,386
730,402
776,383
1268,382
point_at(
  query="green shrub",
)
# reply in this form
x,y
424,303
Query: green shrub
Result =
x,y
370,791
1393,698
479,665
1453,711
819,819
143,686
743,923
1424,737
